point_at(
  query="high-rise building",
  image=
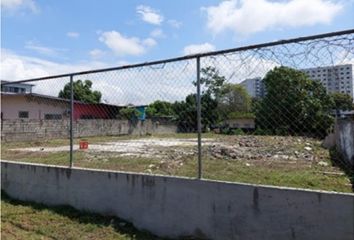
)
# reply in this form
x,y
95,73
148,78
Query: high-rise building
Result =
x,y
337,78
254,87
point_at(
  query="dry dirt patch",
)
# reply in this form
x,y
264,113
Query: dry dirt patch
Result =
x,y
254,148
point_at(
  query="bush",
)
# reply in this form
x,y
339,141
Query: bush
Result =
x,y
225,130
262,132
237,131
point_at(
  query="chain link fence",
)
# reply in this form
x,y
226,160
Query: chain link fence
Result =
x,y
261,114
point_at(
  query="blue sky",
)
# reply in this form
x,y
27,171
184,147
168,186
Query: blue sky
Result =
x,y
43,37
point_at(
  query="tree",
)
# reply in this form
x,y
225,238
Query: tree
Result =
x,y
342,101
82,92
160,109
234,100
211,82
186,112
294,104
129,113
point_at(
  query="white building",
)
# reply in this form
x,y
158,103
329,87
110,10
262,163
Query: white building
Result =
x,y
9,87
254,87
337,78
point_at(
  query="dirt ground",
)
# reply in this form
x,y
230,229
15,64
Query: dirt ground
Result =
x,y
254,148
275,160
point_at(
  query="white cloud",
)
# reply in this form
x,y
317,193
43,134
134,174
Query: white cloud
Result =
x,y
157,33
198,48
137,86
149,42
122,45
251,16
73,34
174,23
97,53
14,5
17,67
48,51
149,14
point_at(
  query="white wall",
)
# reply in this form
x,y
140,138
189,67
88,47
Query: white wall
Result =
x,y
176,207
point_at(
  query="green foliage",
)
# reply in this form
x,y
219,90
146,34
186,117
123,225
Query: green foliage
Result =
x,y
342,101
82,92
160,109
237,131
234,98
186,112
238,115
294,104
211,81
262,132
129,113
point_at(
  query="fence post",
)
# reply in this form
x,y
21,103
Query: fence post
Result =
x,y
71,120
199,121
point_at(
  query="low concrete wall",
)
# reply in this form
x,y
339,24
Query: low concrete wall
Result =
x,y
176,207
36,130
345,140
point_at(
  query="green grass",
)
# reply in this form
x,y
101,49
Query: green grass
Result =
x,y
26,220
302,174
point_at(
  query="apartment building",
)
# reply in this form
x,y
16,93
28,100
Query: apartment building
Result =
x,y
337,78
254,86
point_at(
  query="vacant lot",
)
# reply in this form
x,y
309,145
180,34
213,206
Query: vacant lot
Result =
x,y
23,220
274,160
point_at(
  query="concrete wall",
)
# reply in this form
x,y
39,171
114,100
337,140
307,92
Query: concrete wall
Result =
x,y
176,207
345,139
36,130
36,108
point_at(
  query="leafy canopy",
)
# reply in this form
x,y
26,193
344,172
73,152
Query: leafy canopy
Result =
x,y
294,104
160,109
234,100
82,92
342,101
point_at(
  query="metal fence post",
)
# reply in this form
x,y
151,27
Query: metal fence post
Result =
x,y
71,120
199,121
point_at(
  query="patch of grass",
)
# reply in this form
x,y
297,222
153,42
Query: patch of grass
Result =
x,y
26,220
302,173
277,176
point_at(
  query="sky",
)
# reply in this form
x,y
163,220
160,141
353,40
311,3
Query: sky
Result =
x,y
50,37
43,37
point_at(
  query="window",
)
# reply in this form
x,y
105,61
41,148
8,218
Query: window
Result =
x,y
23,114
52,116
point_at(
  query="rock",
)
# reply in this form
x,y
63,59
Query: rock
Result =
x,y
308,148
321,163
286,157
